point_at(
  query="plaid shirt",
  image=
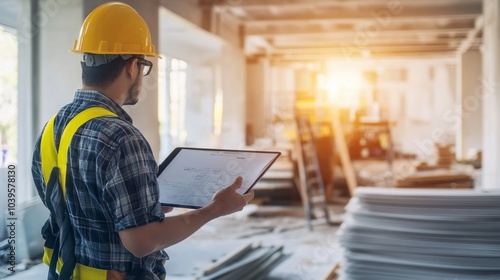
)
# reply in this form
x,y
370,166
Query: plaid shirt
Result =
x,y
111,184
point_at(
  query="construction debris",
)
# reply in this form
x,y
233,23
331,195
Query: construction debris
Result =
x,y
272,243
222,260
438,178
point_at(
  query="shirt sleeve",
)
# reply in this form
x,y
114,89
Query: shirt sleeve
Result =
x,y
131,193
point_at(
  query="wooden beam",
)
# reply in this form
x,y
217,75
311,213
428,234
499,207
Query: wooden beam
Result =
x,y
356,19
329,43
341,148
265,4
339,33
357,43
471,36
379,48
365,26
355,56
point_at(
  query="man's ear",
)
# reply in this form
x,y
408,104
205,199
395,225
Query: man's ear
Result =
x,y
130,67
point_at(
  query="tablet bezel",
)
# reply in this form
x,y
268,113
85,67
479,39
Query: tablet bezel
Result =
x,y
177,150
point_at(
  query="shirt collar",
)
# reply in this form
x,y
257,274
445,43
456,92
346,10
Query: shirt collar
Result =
x,y
101,100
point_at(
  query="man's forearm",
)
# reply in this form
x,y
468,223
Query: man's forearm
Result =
x,y
144,240
152,237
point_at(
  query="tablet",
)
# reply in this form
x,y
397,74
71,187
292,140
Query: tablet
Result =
x,y
189,177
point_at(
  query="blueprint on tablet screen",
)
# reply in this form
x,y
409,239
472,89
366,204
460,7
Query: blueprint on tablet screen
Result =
x,y
194,175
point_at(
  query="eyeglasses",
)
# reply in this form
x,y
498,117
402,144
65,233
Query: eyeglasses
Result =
x,y
148,66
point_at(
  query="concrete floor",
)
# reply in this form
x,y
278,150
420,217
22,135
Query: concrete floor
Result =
x,y
310,254
38,271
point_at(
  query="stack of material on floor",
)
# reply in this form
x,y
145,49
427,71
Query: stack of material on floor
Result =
x,y
446,155
439,178
445,158
222,260
421,234
475,161
254,263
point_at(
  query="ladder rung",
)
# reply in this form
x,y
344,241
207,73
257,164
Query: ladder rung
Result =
x,y
318,199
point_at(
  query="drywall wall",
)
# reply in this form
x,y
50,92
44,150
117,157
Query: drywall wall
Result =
x,y
213,66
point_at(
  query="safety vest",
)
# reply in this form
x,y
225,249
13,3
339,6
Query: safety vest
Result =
x,y
59,247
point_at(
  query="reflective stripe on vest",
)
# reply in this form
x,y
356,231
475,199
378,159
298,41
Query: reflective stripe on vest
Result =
x,y
51,158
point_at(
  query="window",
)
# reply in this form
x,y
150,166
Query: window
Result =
x,y
172,104
177,131
8,96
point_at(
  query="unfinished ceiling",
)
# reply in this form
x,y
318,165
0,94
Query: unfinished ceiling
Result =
x,y
305,30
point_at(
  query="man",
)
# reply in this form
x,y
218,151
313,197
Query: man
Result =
x,y
112,195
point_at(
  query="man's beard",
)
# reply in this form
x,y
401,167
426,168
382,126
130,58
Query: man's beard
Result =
x,y
133,92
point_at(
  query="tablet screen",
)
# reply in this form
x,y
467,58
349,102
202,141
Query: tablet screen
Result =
x,y
189,177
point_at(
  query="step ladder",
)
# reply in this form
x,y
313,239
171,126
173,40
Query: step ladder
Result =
x,y
310,180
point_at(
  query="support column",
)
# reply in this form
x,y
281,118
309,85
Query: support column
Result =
x,y
469,134
257,86
28,40
491,96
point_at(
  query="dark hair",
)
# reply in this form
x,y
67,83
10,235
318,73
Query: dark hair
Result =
x,y
102,75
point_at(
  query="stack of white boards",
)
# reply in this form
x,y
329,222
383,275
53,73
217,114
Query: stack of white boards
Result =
x,y
421,234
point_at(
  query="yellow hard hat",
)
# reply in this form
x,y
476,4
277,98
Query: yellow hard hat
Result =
x,y
114,28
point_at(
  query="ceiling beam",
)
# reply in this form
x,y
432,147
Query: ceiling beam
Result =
x,y
393,41
356,19
323,57
375,13
365,26
352,33
471,36
377,48
352,40
437,42
264,4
